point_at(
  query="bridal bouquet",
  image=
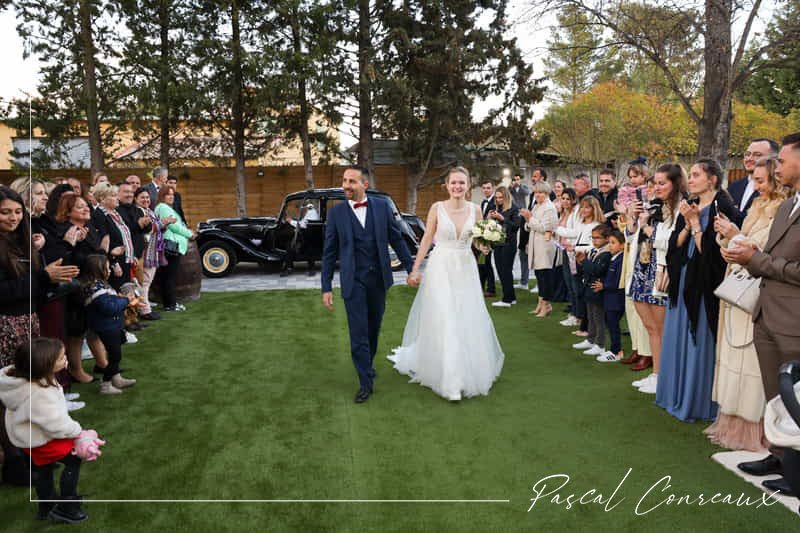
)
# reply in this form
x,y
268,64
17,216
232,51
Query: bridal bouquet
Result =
x,y
487,233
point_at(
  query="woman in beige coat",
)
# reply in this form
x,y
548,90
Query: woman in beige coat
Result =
x,y
737,378
542,221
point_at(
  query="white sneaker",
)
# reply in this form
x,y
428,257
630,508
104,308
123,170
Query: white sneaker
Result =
x,y
639,382
608,357
86,353
501,303
130,338
651,386
594,350
74,406
180,307
535,290
570,321
523,286
583,345
71,396
514,302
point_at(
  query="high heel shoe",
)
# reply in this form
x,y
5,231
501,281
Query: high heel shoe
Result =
x,y
90,380
537,310
546,310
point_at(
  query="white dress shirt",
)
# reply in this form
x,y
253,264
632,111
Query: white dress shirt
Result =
x,y
748,192
361,213
796,204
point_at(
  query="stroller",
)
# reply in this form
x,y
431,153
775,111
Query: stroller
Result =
x,y
782,422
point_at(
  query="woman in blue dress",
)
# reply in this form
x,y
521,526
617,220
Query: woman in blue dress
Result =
x,y
695,269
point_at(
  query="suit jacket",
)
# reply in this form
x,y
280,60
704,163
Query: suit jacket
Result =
x,y
736,190
152,190
613,296
339,244
177,205
778,265
486,207
591,271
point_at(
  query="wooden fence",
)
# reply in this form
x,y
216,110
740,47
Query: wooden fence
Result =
x,y
209,192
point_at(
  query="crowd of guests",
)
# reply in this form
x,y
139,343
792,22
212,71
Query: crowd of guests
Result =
x,y
654,249
77,262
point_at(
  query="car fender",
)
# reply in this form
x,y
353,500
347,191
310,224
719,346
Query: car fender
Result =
x,y
244,249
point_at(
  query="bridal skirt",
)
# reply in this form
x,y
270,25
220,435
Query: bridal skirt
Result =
x,y
449,342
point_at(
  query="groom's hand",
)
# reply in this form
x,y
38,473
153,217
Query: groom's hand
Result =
x,y
327,300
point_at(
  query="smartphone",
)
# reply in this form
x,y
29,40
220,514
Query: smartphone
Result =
x,y
693,200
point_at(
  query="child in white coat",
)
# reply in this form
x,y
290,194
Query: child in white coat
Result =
x,y
38,422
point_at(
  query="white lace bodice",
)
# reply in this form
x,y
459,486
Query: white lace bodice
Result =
x,y
446,229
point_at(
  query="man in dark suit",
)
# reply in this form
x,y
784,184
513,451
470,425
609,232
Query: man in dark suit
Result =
x,y
358,233
742,190
775,332
485,270
607,194
177,203
159,180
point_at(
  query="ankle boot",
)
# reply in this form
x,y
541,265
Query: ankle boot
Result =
x,y
121,383
68,512
107,387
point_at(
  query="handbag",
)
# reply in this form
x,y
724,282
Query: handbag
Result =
x,y
739,289
171,247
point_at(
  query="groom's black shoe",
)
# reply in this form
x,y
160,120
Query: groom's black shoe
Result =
x,y
764,467
362,395
779,484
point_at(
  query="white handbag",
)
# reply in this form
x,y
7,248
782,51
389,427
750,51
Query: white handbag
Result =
x,y
739,289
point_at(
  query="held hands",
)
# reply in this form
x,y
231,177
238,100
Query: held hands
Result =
x,y
59,273
414,279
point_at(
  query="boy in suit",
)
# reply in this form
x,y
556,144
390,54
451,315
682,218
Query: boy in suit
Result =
x,y
613,297
594,268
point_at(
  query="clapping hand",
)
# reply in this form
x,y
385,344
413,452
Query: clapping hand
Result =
x,y
526,214
59,273
580,256
739,254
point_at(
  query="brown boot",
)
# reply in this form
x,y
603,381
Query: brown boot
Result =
x,y
644,362
633,358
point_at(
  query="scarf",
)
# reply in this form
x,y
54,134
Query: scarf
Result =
x,y
154,253
123,229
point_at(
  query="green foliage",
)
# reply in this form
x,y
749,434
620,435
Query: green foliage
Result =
x,y
574,52
777,85
438,58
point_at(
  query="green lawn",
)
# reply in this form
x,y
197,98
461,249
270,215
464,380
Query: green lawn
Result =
x,y
250,396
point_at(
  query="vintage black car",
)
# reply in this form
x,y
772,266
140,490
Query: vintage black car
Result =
x,y
297,231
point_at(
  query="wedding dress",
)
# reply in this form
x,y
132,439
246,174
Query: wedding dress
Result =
x,y
449,342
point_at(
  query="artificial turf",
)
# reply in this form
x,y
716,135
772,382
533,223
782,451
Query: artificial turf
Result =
x,y
249,396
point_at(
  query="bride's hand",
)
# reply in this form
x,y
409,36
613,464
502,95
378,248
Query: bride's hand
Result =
x,y
484,249
414,279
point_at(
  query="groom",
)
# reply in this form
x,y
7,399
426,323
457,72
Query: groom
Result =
x,y
357,233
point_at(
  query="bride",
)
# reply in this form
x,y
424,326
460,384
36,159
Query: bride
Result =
x,y
449,343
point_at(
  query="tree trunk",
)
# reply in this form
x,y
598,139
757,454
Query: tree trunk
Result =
x,y
413,179
237,111
305,113
90,87
163,84
715,127
365,148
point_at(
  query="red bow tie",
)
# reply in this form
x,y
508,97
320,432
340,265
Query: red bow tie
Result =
x,y
360,204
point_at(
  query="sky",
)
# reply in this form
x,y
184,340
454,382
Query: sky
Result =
x,y
531,33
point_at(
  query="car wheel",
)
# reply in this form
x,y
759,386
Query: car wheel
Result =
x,y
218,259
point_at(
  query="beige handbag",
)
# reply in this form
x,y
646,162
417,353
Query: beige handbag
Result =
x,y
739,289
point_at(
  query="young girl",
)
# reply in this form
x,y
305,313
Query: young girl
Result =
x,y
105,314
37,421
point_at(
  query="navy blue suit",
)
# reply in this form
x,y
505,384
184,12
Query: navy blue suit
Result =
x,y
736,190
365,273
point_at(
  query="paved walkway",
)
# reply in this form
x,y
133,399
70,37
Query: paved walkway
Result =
x,y
251,277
